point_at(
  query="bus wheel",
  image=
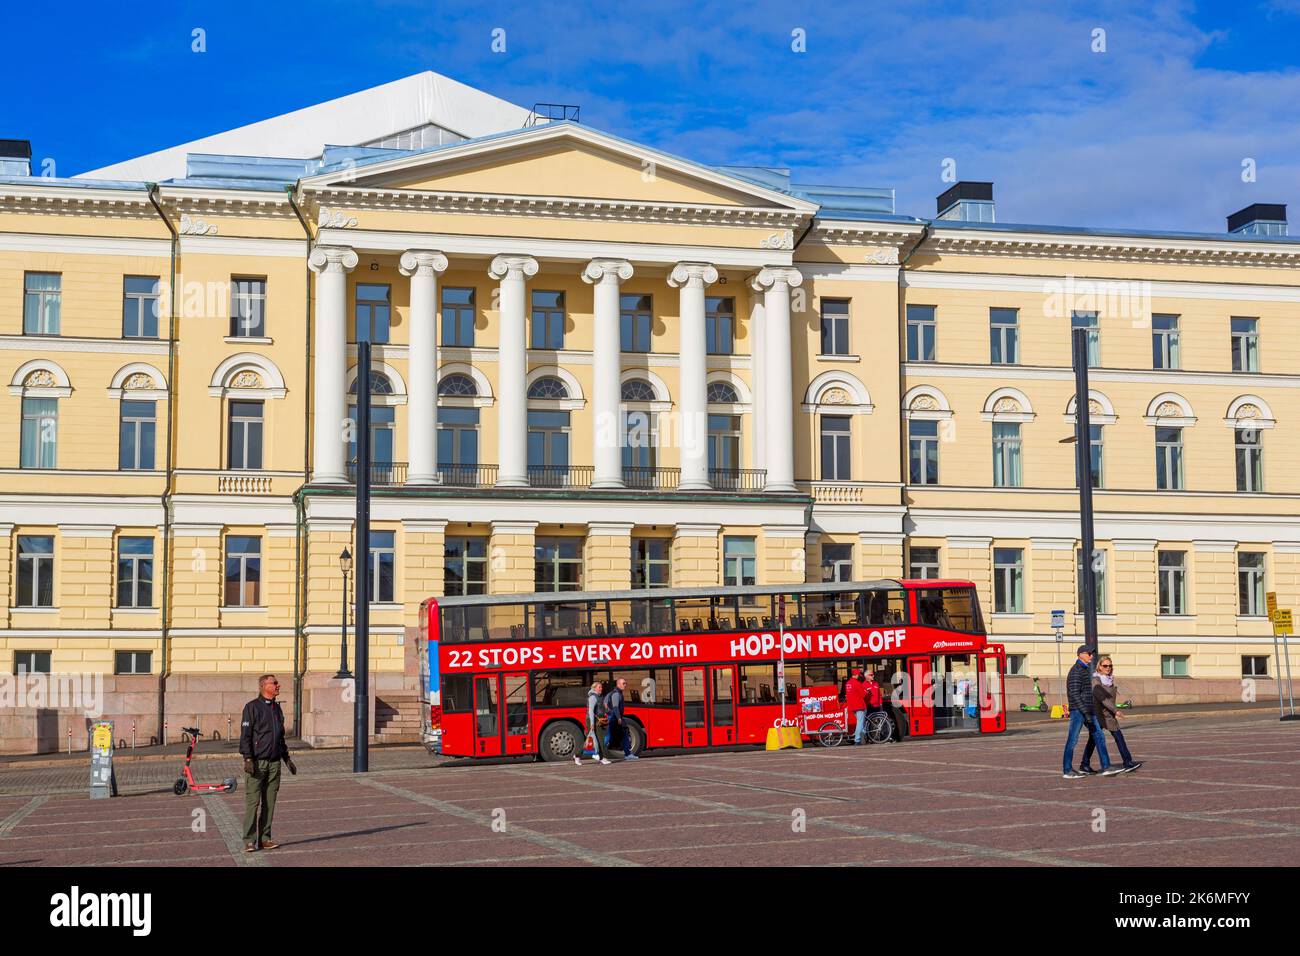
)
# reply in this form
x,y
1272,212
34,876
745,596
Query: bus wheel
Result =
x,y
636,737
561,740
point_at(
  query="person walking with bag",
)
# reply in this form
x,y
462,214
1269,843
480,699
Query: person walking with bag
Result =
x,y
595,732
262,745
1104,696
1082,713
618,732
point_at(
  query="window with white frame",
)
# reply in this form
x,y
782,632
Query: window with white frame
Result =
x,y
247,307
557,564
243,571
651,563
1172,572
1006,455
1249,459
1004,336
40,433
548,316
1009,580
923,563
837,562
922,330
136,431
835,327
1089,321
837,447
923,451
42,302
1250,584
1245,344
245,435
373,313
35,571
381,567
1254,665
140,307
31,662
1165,350
134,572
635,322
465,565
1169,458
720,325
739,561
1174,665
132,662
457,317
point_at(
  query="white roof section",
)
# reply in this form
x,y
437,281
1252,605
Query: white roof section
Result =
x,y
353,120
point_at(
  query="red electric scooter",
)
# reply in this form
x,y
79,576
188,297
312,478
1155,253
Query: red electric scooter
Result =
x,y
186,782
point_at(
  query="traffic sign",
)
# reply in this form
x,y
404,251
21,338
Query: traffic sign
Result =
x,y
1058,620
1270,600
1282,624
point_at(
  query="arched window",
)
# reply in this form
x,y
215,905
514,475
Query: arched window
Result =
x,y
548,387
458,386
720,393
638,390
379,385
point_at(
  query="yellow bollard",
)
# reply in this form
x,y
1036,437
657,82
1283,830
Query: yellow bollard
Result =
x,y
1058,712
779,738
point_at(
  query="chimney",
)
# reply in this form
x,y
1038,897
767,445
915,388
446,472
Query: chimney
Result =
x,y
967,202
1259,219
15,157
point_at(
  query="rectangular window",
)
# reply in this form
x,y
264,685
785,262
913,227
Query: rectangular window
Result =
x,y
465,566
548,446
31,662
1017,665
1164,342
1173,665
135,445
133,662
42,298
247,308
1098,579
1008,580
1006,455
374,313
140,307
1250,460
1089,321
720,325
739,564
923,563
1095,450
1172,570
135,572
558,564
1169,459
921,332
837,448
837,562
457,317
458,444
547,320
1250,584
381,567
635,322
383,426
923,452
245,435
724,448
651,564
1254,665
35,571
40,433
835,327
1004,336
1245,344
243,571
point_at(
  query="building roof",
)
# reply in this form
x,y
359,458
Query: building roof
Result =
x,y
374,115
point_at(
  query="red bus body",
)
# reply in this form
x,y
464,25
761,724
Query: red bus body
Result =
x,y
502,697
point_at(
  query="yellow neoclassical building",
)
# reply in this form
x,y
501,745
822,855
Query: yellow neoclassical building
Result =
x,y
596,365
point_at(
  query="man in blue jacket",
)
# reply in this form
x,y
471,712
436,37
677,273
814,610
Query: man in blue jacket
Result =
x,y
1079,708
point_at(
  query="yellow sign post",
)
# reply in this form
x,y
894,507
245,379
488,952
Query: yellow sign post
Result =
x,y
1282,623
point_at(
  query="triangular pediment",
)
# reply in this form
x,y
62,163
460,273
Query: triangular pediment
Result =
x,y
562,160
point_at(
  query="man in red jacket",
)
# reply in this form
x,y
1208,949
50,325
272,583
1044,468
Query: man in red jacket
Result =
x,y
856,698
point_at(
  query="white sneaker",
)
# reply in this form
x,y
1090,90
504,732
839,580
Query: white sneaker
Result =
x,y
604,761
578,759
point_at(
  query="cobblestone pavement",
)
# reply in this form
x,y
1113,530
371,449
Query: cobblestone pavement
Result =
x,y
1214,792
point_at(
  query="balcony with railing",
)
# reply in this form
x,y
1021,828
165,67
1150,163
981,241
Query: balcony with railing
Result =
x,y
391,474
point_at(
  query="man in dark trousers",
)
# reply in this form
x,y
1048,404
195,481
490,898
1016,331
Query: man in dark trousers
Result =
x,y
1082,713
261,744
618,732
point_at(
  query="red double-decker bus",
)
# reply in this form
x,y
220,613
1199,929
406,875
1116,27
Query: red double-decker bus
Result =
x,y
508,674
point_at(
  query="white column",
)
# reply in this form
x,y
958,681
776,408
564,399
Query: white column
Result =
x,y
775,283
607,452
690,278
512,364
329,446
423,266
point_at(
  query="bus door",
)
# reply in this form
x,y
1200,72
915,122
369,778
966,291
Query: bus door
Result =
x,y
501,715
992,689
920,696
708,705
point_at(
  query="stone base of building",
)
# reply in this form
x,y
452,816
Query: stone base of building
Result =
x,y
1150,691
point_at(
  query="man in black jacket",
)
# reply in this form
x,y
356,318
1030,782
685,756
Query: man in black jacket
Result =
x,y
1079,708
261,744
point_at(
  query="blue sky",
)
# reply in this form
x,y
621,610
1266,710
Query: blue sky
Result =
x,y
1151,133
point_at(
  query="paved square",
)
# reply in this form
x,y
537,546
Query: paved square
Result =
x,y
1215,790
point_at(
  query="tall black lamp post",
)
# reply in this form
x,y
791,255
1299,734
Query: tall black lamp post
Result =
x,y
345,565
1083,458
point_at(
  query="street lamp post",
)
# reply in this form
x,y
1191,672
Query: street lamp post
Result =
x,y
345,564
1083,458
